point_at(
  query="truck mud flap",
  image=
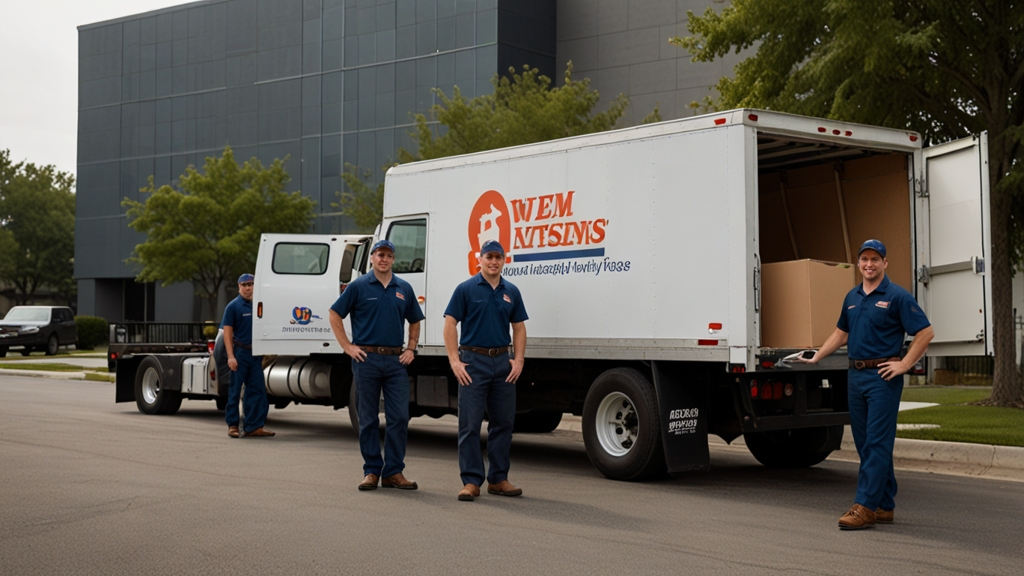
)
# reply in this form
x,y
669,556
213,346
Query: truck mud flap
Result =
x,y
683,405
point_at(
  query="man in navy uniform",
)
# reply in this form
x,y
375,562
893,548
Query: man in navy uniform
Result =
x,y
486,305
245,368
873,321
380,304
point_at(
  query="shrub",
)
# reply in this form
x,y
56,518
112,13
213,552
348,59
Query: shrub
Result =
x,y
92,331
210,331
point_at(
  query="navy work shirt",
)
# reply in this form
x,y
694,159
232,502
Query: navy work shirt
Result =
x,y
378,312
486,313
238,315
876,322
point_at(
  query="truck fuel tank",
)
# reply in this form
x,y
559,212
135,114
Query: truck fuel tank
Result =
x,y
298,377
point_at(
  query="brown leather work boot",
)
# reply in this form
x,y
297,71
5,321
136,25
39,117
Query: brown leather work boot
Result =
x,y
884,516
233,432
261,432
504,488
398,481
469,492
369,482
858,518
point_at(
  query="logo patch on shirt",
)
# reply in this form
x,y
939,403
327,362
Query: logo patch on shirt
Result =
x,y
400,295
851,307
507,299
881,304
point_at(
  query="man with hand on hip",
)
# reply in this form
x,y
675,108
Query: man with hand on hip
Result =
x,y
487,305
872,323
380,303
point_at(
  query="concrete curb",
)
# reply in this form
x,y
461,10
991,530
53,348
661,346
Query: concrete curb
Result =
x,y
959,458
44,374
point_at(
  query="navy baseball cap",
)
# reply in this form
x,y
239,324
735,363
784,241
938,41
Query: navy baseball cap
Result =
x,y
492,246
383,244
246,278
875,245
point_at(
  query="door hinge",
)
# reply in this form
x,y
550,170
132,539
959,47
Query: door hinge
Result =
x,y
920,188
923,276
978,264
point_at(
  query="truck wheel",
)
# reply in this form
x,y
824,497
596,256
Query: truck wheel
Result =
x,y
537,421
621,428
150,395
353,408
800,448
52,345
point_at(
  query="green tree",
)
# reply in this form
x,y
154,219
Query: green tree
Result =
x,y
523,109
364,202
945,69
207,230
37,229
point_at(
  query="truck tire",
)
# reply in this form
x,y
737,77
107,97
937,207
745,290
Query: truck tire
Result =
x,y
537,421
353,408
621,429
150,395
800,448
52,345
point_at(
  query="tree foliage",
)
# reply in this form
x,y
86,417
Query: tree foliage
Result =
x,y
364,202
207,230
945,69
37,230
523,109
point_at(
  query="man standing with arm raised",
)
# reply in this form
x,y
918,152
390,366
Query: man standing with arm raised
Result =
x,y
380,304
486,305
873,321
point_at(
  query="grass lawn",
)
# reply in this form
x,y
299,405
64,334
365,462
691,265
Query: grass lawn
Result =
x,y
959,422
40,366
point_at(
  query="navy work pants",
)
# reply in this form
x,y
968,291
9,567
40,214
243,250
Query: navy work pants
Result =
x,y
380,372
491,394
249,374
874,405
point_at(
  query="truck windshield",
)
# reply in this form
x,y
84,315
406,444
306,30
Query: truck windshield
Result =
x,y
28,315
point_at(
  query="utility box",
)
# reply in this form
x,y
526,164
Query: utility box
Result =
x,y
801,301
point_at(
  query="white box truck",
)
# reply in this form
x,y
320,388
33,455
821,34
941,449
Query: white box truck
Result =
x,y
639,255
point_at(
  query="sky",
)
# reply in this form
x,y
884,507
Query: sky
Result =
x,y
39,73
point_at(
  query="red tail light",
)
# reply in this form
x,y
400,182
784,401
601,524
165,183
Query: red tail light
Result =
x,y
753,388
777,391
209,346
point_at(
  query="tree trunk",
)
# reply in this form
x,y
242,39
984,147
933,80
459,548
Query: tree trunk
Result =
x,y
1006,389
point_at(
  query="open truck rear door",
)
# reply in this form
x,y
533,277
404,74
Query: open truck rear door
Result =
x,y
954,239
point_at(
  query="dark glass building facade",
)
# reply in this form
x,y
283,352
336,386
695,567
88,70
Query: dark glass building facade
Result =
x,y
325,83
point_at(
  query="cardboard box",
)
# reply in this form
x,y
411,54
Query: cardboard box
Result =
x,y
801,301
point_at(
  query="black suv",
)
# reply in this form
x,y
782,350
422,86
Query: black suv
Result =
x,y
43,328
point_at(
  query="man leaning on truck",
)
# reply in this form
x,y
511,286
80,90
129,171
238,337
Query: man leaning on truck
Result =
x,y
487,305
872,324
380,304
245,368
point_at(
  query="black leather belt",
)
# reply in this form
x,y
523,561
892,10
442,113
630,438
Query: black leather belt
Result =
x,y
386,350
240,345
865,364
486,351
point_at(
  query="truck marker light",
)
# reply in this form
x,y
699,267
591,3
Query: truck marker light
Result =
x,y
421,300
738,369
788,390
113,355
849,133
714,326
913,138
707,342
753,388
836,132
259,310
767,364
719,121
753,117
821,129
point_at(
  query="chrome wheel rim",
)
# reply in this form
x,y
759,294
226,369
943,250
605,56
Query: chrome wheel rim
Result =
x,y
150,386
617,424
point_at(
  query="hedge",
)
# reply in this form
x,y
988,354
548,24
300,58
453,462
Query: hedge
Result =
x,y
92,331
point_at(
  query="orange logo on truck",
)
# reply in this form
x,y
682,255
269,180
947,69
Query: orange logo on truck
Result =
x,y
544,225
